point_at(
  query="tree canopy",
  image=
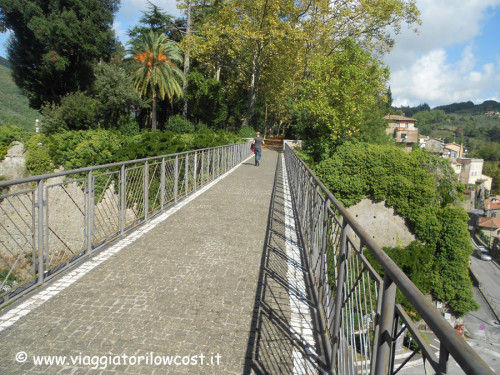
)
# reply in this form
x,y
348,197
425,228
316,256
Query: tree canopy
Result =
x,y
264,57
55,44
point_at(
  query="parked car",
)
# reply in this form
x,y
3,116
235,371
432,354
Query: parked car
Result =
x,y
482,253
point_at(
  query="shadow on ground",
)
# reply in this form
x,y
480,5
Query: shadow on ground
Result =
x,y
271,343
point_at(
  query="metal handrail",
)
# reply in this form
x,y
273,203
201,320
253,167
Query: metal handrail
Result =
x,y
357,309
51,222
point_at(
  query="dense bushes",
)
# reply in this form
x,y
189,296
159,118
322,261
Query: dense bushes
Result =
x,y
78,149
247,132
77,111
178,124
421,188
38,160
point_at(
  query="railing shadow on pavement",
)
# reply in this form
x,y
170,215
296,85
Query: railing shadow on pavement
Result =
x,y
271,341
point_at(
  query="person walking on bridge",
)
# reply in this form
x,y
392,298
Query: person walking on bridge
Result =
x,y
257,145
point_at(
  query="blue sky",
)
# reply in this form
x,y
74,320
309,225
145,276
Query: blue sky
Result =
x,y
454,57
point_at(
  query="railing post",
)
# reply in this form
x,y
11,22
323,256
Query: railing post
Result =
x,y
315,221
195,169
146,190
162,184
186,175
323,254
90,211
443,358
339,293
176,178
209,162
33,231
376,331
40,232
218,162
386,327
202,168
123,197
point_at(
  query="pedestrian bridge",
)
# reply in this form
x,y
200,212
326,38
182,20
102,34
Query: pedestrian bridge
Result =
x,y
202,263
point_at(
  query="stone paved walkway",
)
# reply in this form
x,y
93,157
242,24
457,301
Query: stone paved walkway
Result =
x,y
208,284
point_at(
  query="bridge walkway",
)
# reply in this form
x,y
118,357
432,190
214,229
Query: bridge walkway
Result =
x,y
209,283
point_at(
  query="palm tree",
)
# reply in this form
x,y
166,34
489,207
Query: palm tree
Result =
x,y
158,71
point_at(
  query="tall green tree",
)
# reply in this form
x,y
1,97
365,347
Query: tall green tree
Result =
x,y
265,47
157,71
114,88
56,44
157,20
338,95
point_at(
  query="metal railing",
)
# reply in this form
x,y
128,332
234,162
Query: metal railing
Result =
x,y
49,222
358,315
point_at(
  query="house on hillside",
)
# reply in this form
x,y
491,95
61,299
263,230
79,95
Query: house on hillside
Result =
x,y
492,206
490,226
453,150
402,129
492,113
432,145
457,167
471,171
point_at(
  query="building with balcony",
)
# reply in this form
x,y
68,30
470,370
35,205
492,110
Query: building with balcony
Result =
x,y
402,129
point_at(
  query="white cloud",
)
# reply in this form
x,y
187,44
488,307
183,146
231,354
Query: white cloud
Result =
x,y
421,68
433,80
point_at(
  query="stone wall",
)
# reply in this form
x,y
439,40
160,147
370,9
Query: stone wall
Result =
x,y
13,166
383,224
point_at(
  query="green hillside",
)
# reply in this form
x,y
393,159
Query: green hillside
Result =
x,y
14,107
465,123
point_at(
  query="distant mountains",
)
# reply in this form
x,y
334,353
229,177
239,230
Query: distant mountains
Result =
x,y
14,106
464,108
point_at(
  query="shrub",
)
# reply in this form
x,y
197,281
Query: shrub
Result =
x,y
38,160
177,124
77,111
247,132
128,126
77,149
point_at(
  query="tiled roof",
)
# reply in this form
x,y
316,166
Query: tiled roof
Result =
x,y
399,118
488,205
489,222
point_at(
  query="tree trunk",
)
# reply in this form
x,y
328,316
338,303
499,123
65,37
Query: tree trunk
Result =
x,y
265,123
217,73
153,113
254,85
186,60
